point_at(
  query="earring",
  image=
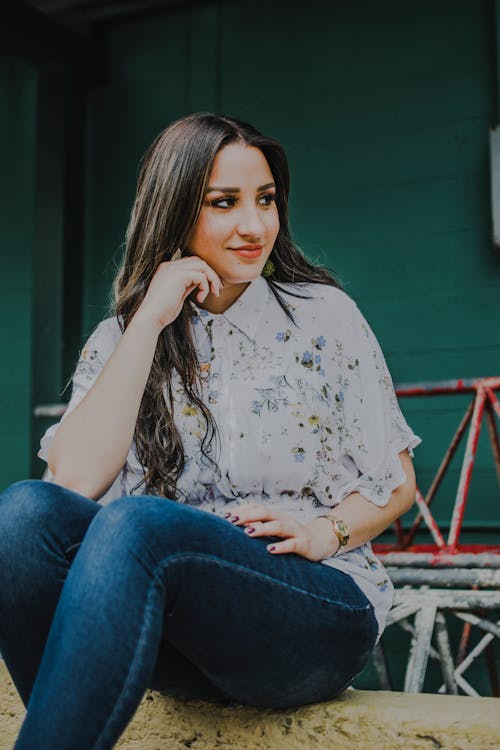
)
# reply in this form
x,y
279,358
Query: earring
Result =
x,y
269,268
177,254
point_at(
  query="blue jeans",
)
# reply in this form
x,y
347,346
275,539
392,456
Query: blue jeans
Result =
x,y
99,603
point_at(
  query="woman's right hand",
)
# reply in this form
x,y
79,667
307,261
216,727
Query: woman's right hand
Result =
x,y
92,443
172,282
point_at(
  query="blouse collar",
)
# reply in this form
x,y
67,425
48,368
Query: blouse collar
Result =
x,y
244,314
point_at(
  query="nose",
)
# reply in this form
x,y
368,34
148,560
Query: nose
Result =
x,y
250,223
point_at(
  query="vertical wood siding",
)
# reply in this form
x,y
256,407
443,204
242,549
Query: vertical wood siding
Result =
x,y
17,154
384,109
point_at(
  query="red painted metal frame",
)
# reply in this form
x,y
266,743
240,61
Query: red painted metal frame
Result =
x,y
443,551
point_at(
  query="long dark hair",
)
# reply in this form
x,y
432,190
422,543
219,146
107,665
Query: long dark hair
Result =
x,y
172,181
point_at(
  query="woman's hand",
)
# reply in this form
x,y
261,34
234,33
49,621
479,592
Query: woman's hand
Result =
x,y
315,540
172,282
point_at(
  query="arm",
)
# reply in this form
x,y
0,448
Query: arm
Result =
x,y
91,445
316,539
365,520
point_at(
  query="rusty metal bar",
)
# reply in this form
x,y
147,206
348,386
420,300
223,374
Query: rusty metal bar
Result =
x,y
492,670
493,629
409,628
441,471
438,387
419,649
382,667
445,657
402,610
441,560
467,466
480,622
492,430
447,577
429,520
473,654
466,687
494,401
399,531
448,599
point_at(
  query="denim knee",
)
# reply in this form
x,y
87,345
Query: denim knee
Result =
x,y
29,506
25,507
150,526
34,516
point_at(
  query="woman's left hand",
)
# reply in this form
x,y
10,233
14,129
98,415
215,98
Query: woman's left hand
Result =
x,y
314,540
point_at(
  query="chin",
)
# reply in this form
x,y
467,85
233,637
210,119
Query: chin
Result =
x,y
243,276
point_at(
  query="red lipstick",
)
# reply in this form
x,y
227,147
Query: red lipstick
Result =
x,y
248,251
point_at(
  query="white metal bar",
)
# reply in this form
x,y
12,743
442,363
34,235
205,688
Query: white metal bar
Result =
x,y
419,650
446,659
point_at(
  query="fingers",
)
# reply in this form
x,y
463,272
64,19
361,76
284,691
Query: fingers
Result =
x,y
212,283
262,521
270,528
289,545
201,272
292,536
172,282
196,280
255,512
304,539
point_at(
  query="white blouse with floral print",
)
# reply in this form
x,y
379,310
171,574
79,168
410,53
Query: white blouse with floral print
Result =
x,y
306,413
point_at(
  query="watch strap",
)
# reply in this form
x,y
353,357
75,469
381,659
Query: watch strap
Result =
x,y
341,530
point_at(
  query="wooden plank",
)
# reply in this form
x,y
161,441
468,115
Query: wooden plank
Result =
x,y
203,56
495,183
17,153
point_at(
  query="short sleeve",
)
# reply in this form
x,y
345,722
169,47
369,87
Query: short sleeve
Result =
x,y
375,430
93,357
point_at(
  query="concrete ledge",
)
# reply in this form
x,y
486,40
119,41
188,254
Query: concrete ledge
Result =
x,y
360,720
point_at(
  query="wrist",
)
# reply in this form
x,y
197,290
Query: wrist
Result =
x,y
339,529
141,320
330,540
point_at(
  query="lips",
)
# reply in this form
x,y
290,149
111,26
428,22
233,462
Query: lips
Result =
x,y
248,251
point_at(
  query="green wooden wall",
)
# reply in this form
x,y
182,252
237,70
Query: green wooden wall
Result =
x,y
17,174
384,109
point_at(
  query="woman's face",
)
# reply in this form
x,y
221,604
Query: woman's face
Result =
x,y
238,223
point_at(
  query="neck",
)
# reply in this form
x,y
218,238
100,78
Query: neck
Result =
x,y
228,295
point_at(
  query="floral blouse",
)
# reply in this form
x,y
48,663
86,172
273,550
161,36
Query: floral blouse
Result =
x,y
305,411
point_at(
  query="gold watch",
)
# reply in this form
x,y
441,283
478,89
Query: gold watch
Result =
x,y
340,529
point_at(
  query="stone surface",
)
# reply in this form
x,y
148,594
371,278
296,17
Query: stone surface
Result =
x,y
359,720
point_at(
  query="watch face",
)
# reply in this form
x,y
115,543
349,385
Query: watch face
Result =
x,y
342,527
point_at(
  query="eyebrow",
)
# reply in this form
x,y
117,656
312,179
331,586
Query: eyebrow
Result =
x,y
214,189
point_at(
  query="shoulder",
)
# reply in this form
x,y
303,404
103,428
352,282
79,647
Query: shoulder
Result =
x,y
103,338
309,301
329,313
109,327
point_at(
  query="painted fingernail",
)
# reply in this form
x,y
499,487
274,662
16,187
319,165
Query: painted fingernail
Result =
x,y
234,519
226,515
271,548
250,530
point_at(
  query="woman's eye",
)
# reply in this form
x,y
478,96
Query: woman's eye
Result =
x,y
227,202
267,199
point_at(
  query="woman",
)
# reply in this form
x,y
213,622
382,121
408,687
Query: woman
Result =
x,y
234,399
